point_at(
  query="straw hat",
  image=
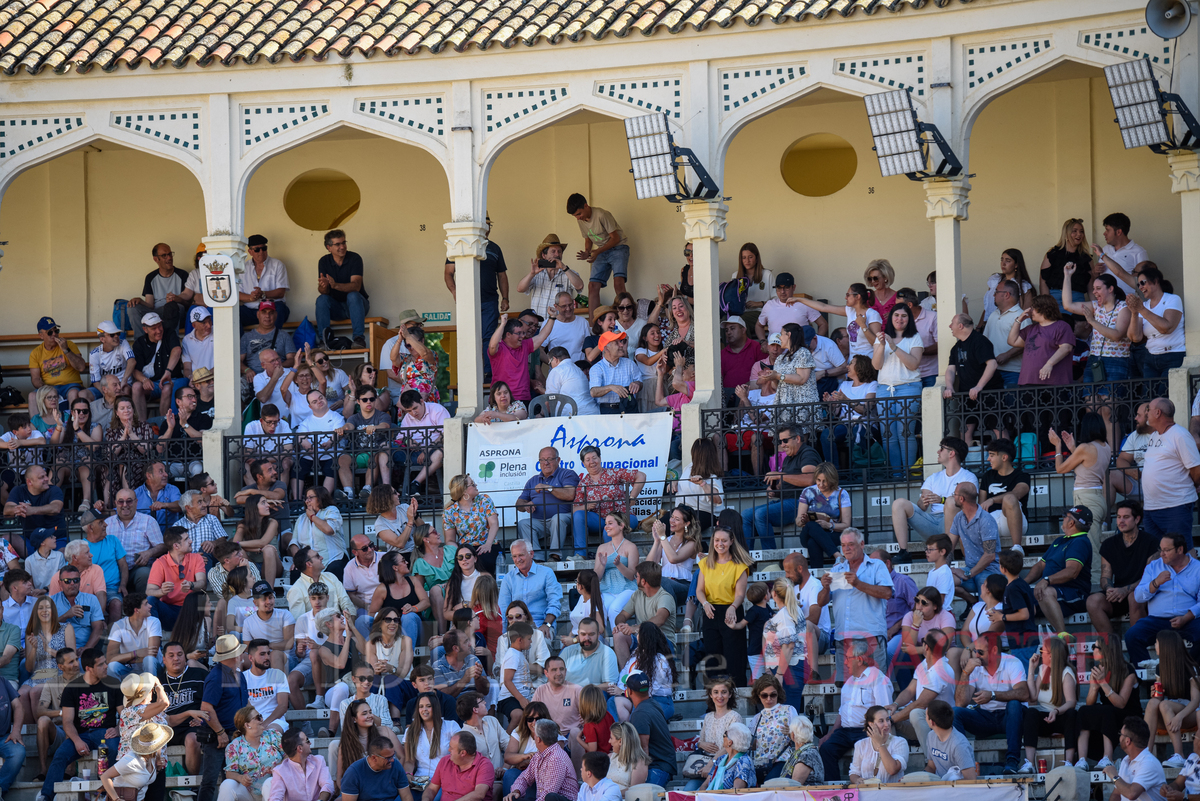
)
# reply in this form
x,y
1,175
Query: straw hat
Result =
x,y
228,647
135,685
551,239
150,738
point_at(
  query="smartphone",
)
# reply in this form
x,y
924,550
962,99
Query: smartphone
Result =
x,y
545,264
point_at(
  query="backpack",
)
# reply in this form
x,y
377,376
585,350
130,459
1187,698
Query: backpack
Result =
x,y
306,334
120,315
732,296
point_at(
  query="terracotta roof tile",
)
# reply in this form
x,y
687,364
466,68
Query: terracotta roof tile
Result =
x,y
60,35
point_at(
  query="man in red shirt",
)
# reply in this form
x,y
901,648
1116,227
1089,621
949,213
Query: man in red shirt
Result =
x,y
737,357
463,774
174,575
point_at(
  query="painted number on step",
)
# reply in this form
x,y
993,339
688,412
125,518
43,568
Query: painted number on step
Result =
x,y
881,500
1034,539
1041,489
906,569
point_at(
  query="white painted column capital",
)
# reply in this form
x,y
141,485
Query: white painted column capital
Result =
x,y
1185,171
227,410
465,240
704,219
947,198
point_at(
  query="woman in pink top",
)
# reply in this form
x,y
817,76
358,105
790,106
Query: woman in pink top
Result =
x,y
927,614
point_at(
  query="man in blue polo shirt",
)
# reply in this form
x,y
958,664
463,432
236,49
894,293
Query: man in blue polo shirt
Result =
x,y
1062,579
1170,587
225,692
158,497
547,497
378,776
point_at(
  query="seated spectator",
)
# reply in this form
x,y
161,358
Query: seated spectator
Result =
x,y
565,378
881,754
319,449
935,508
263,278
162,293
547,497
205,529
501,407
1052,684
972,368
1004,492
1111,687
1047,344
109,387
866,691
465,771
732,769
549,771
109,554
229,556
1173,460
931,611
823,512
368,437
168,584
157,357
269,384
1061,579
49,708
83,610
1178,572
407,360
91,576
378,776
28,442
267,335
276,626
269,440
601,490
615,380
312,571
197,345
112,356
651,603
301,776
38,503
1157,321
420,437
989,699
342,294
946,748
1126,473
183,440
56,363
20,595
457,669
43,562
593,779
89,715
331,380
784,486
1176,672
651,726
933,681
360,577
135,640
509,353
1123,559
1140,774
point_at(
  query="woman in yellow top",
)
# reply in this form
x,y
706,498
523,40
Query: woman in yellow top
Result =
x,y
720,591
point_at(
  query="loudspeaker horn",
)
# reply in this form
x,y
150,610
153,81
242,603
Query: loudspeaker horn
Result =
x,y
1168,19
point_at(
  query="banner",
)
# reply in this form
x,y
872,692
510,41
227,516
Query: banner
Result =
x,y
980,790
501,457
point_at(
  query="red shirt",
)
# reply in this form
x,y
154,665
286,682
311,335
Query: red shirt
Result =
x,y
456,782
512,367
598,733
491,628
735,367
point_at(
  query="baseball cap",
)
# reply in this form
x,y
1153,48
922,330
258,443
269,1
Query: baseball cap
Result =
x,y
785,279
107,327
610,336
262,588
638,681
531,313
89,517
199,313
39,535
151,319
1082,514
736,320
46,323
266,304
775,339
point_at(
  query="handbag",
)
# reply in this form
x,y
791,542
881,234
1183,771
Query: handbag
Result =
x,y
697,765
1096,366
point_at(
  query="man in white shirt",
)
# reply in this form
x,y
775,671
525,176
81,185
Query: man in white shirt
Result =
x,y
263,278
1122,256
935,508
808,587
932,681
1008,358
268,686
569,329
989,699
198,345
1140,777
1126,473
594,784
829,363
865,687
322,420
112,356
1172,471
276,626
565,378
268,385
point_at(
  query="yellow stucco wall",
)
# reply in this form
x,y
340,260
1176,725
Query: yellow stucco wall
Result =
x,y
81,227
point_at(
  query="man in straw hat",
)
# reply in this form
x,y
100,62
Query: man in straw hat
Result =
x,y
548,275
89,717
493,274
225,692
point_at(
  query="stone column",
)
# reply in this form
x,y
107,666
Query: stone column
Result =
x,y
466,243
946,202
227,411
704,228
1185,182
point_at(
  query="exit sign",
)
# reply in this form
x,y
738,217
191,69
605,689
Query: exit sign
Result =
x,y
436,317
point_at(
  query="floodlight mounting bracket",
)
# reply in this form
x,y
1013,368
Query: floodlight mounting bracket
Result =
x,y
682,157
950,165
1191,140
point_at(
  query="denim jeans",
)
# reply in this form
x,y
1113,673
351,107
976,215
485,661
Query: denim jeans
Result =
x,y
13,755
657,776
355,308
510,776
149,664
1141,636
614,261
831,437
793,685
1009,378
67,754
839,742
985,723
819,542
1168,521
1157,365
166,613
762,519
552,530
900,416
678,588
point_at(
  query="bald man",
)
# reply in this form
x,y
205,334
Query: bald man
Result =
x,y
361,577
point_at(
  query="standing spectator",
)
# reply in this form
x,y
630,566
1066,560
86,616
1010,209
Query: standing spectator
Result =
x,y
1109,319
973,364
720,591
1126,474
197,346
787,661
605,247
162,293
407,361
56,363
569,330
1048,345
758,281
616,565
1052,683
509,353
1172,470
264,277
89,716
997,328
1062,577
777,312
1122,257
859,607
225,692
651,726
794,371
934,511
1170,586
976,530
1004,491
168,584
1158,321
157,355
493,275
1089,459
548,275
1140,775
1123,560
1072,248
342,294
112,356
139,535
926,321
897,357
880,275
785,486
547,497
866,687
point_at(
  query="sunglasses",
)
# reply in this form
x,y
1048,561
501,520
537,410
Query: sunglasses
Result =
x,y
362,678
259,249
464,557
922,602
391,620
367,547
321,362
625,307
366,398
70,581
126,503
980,654
784,440
766,696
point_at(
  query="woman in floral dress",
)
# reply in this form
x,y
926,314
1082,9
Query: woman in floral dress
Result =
x,y
471,519
770,728
250,757
794,371
145,702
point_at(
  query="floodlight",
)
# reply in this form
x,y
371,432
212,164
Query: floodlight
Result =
x,y
1142,108
653,154
898,143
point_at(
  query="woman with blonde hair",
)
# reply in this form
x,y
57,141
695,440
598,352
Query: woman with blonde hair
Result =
x,y
788,661
879,276
1052,694
823,513
1072,248
629,765
471,519
332,381
616,565
394,522
720,590
294,390
681,332
485,603
804,765
145,702
250,757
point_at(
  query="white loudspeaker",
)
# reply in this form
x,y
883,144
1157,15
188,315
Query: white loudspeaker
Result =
x,y
1168,19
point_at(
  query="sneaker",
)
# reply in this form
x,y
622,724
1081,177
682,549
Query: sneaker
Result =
x,y
902,558
686,628
317,703
1176,761
1027,767
1010,770
1019,549
1082,764
414,488
365,492
323,732
360,342
1103,763
341,496
83,507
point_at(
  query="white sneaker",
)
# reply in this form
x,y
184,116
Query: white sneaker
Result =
x,y
319,703
1176,761
686,628
1103,763
1026,768
1019,549
1082,764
